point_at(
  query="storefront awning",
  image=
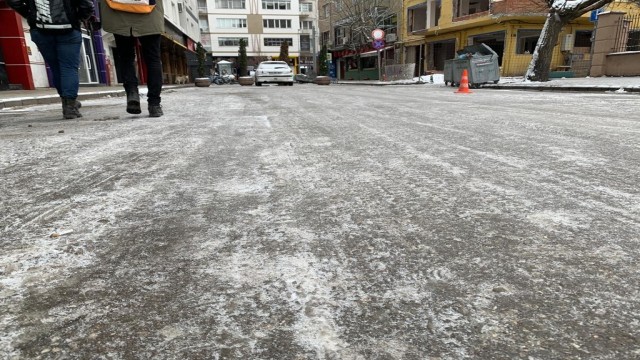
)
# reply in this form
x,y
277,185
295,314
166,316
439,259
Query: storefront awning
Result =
x,y
375,52
176,43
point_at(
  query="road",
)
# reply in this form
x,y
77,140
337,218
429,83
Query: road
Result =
x,y
335,222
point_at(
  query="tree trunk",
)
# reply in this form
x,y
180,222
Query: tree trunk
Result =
x,y
541,60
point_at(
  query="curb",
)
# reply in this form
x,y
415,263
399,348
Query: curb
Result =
x,y
379,83
54,99
575,88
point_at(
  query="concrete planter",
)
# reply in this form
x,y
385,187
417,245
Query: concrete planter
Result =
x,y
245,80
322,80
202,82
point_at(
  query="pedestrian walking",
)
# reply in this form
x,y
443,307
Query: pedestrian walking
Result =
x,y
129,28
55,29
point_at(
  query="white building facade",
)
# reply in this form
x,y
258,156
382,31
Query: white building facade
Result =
x,y
265,25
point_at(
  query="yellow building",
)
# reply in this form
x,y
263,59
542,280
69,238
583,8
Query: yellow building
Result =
x,y
434,30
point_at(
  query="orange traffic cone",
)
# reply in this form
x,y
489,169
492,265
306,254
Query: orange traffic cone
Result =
x,y
464,83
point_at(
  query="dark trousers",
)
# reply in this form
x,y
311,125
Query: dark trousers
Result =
x,y
150,54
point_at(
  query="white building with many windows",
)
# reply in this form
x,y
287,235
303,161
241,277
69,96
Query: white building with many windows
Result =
x,y
265,25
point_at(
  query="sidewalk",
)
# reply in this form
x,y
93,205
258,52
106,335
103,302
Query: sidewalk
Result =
x,y
595,84
13,98
599,84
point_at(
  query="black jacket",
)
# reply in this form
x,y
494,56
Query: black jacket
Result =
x,y
55,15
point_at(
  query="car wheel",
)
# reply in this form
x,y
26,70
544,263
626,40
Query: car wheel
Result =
x,y
258,84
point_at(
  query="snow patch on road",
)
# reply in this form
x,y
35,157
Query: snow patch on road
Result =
x,y
554,220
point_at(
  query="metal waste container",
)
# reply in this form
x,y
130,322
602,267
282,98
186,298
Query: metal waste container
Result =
x,y
448,72
481,63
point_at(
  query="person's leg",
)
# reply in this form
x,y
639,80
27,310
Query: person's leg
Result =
x,y
126,63
62,53
46,44
151,54
68,49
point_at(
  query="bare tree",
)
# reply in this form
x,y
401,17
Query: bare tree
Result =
x,y
561,12
356,19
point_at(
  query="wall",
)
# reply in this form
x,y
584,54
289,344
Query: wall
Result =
x,y
623,64
608,24
14,45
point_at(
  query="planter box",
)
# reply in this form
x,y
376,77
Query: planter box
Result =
x,y
202,82
322,80
245,80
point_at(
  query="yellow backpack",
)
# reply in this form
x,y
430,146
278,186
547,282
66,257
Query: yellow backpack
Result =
x,y
132,6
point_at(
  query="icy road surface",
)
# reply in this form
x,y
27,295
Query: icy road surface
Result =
x,y
311,222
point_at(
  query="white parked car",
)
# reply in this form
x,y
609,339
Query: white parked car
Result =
x,y
276,72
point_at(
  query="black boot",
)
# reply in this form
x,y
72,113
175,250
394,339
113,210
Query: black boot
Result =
x,y
70,109
155,110
133,102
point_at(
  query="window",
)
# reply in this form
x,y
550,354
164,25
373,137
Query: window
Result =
x,y
417,18
202,5
325,38
231,23
389,24
277,41
469,7
526,41
633,42
204,25
369,62
326,11
230,4
276,4
340,34
583,38
306,25
276,23
231,41
305,43
306,7
205,43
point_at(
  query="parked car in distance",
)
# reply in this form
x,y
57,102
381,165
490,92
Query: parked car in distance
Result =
x,y
274,72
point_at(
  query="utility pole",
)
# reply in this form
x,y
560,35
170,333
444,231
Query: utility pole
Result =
x,y
313,47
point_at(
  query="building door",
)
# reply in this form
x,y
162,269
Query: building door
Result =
x,y
439,52
88,71
4,78
493,40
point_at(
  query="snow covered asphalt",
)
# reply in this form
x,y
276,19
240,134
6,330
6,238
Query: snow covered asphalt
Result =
x,y
323,222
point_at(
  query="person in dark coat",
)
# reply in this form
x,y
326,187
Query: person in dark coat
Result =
x,y
55,29
128,28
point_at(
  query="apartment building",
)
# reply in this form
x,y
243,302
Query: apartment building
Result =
x,y
265,25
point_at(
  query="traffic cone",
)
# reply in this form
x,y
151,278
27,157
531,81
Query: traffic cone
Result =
x,y
464,83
